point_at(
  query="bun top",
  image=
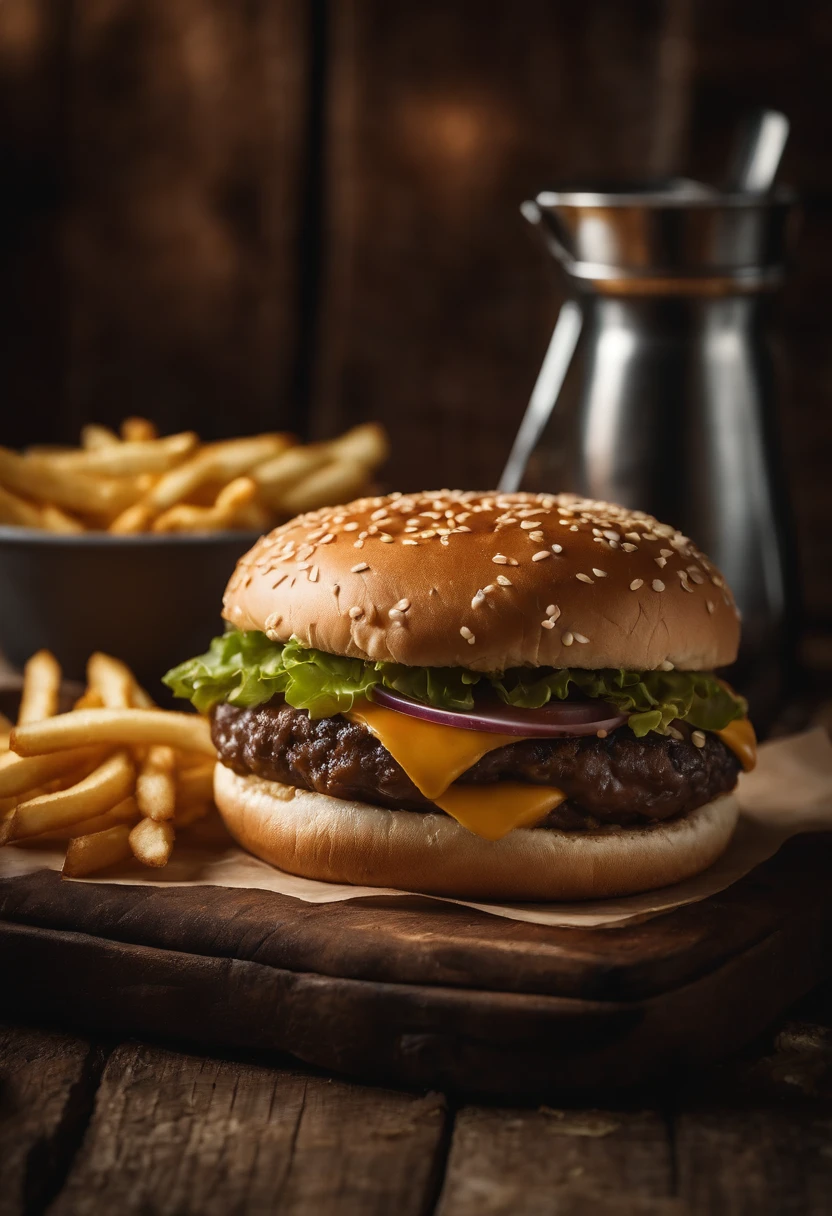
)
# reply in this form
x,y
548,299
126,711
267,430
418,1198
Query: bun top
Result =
x,y
488,581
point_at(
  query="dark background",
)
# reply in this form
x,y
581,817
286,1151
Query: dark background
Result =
x,y
303,213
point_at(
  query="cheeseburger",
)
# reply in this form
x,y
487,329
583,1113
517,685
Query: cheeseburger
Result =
x,y
494,696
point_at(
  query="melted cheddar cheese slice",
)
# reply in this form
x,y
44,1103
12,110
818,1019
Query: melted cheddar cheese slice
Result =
x,y
740,737
433,756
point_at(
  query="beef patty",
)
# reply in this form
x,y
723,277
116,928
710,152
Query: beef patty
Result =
x,y
611,781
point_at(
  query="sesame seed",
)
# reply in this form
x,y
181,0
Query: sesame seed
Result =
x,y
697,577
567,638
500,559
716,580
599,573
361,566
657,584
553,611
468,635
633,535
697,738
328,539
503,581
636,583
356,612
665,665
410,542
300,566
536,536
359,544
584,578
574,528
709,606
489,588
666,552
351,527
611,535
661,562
313,575
579,637
386,538
541,555
548,624
403,605
628,548
528,525
478,599
601,734
395,614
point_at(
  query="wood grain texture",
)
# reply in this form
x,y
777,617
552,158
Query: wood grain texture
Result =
x,y
461,1026
46,1086
438,303
553,1161
174,1133
186,137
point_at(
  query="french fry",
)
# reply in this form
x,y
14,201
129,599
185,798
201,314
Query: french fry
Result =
x,y
274,477
39,477
215,462
152,842
5,732
131,459
231,500
125,811
89,853
90,698
366,444
138,430
17,511
119,727
53,519
195,784
93,437
22,776
41,688
136,518
113,681
335,482
156,784
106,786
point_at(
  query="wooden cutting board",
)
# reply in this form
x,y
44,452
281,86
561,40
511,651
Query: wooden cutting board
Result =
x,y
430,995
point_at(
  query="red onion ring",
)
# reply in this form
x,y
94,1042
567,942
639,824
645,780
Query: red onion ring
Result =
x,y
557,720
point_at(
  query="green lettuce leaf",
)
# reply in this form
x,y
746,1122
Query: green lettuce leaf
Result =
x,y
246,669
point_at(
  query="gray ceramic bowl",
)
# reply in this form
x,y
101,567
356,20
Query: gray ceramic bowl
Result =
x,y
150,600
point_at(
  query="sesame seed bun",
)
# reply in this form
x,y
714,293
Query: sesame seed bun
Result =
x,y
337,840
488,581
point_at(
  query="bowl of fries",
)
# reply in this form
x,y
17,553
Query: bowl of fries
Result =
x,y
114,778
125,544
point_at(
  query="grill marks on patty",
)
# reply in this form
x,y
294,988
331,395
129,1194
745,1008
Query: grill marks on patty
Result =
x,y
616,780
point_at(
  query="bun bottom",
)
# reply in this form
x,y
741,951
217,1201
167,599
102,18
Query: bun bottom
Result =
x,y
316,836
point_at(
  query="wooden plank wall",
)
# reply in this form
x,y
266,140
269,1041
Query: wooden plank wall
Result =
x,y
305,212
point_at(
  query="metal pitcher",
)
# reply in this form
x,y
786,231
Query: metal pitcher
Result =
x,y
657,389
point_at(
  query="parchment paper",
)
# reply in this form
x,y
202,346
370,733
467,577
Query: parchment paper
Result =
x,y
789,792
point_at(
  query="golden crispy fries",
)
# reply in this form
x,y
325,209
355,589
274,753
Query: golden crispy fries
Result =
x,y
131,459
156,784
137,518
142,482
113,681
152,842
90,853
215,462
20,776
120,727
125,811
17,511
53,519
40,478
74,777
195,784
231,500
334,483
106,786
93,438
41,688
138,430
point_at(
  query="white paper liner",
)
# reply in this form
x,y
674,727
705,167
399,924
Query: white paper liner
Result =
x,y
789,792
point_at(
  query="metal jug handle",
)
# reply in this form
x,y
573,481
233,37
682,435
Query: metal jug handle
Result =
x,y
544,394
532,213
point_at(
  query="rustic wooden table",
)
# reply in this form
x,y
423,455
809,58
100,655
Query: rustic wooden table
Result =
x,y
92,1126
